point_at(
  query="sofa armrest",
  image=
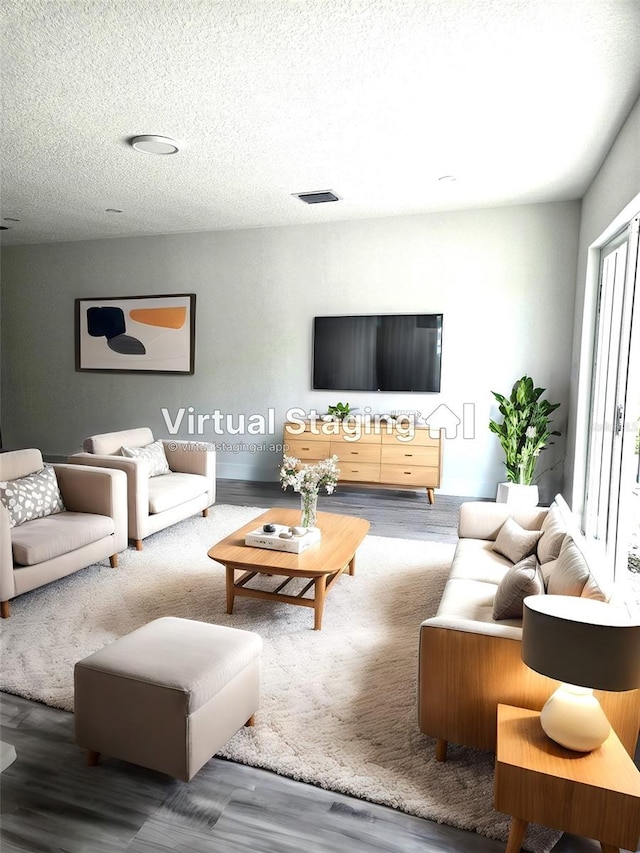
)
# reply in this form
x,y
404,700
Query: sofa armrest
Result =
x,y
471,626
96,490
483,519
193,457
137,486
7,581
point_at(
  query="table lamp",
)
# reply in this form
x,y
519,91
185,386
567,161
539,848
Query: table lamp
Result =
x,y
586,645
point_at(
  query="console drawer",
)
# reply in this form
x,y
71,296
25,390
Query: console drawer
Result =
x,y
410,454
304,449
412,475
356,452
360,472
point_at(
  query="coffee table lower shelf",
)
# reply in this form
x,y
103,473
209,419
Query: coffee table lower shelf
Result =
x,y
236,588
321,565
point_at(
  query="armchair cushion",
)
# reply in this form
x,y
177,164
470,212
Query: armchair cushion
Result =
x,y
33,496
153,454
46,538
173,489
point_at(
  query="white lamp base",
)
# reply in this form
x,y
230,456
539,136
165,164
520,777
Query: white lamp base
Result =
x,y
573,718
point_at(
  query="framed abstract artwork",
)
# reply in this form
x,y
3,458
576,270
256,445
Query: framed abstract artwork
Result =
x,y
131,334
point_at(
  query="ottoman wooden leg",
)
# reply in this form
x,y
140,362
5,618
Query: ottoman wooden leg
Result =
x,y
93,758
251,721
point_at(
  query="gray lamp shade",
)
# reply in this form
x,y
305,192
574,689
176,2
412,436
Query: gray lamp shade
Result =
x,y
581,641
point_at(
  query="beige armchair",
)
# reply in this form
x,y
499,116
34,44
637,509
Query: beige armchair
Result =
x,y
91,527
156,502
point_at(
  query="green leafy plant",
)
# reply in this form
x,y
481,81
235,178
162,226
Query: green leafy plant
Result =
x,y
524,431
340,410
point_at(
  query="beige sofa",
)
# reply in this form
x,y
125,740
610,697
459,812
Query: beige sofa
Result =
x,y
156,502
469,661
92,526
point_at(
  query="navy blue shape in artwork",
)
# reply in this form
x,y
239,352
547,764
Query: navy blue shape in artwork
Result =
x,y
110,324
105,322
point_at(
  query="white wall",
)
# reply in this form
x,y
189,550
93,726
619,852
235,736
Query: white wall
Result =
x,y
610,202
504,279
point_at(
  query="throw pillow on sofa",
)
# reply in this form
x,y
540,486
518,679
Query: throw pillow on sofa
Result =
x,y
523,579
33,496
153,454
514,542
553,531
572,575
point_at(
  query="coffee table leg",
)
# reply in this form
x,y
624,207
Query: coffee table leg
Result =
x,y
352,565
230,591
320,589
516,835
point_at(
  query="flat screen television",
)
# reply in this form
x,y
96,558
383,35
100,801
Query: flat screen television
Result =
x,y
378,352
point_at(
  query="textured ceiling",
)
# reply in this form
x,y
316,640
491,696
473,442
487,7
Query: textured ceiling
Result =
x,y
374,99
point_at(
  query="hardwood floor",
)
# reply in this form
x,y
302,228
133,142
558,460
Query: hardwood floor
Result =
x,y
50,801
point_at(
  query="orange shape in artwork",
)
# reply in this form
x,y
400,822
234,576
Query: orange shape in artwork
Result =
x,y
168,318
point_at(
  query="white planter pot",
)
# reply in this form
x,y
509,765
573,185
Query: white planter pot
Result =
x,y
516,494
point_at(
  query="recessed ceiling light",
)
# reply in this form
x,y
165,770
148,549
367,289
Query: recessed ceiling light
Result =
x,y
447,178
154,144
317,197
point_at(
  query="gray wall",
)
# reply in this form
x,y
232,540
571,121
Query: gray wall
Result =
x,y
504,279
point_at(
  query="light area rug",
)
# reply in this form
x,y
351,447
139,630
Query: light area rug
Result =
x,y
338,706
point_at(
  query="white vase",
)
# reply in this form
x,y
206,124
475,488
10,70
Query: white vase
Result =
x,y
573,718
517,495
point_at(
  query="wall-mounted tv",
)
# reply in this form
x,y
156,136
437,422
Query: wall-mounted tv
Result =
x,y
378,352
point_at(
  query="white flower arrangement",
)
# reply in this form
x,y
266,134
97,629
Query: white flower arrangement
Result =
x,y
309,478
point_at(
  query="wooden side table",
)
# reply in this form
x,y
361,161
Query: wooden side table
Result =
x,y
595,794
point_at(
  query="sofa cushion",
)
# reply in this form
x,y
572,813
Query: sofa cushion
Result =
x,y
153,454
34,496
468,599
45,538
553,530
514,542
476,560
174,489
521,580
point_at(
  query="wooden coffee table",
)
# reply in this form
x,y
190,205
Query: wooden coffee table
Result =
x,y
322,564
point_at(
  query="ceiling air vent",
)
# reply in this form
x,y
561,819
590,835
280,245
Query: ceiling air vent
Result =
x,y
319,197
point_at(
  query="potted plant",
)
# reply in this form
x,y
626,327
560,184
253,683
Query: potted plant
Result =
x,y
523,433
340,411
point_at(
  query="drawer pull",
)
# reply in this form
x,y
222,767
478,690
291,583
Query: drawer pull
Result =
x,y
354,453
408,472
305,448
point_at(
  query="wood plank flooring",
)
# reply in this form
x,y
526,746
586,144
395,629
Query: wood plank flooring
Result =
x,y
50,801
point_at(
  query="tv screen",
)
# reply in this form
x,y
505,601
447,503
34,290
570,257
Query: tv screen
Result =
x,y
377,352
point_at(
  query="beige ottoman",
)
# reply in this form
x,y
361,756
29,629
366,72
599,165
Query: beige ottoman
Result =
x,y
168,695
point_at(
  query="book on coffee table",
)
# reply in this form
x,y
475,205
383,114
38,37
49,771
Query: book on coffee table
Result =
x,y
294,545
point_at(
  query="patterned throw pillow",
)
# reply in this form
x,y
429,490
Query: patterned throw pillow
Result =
x,y
523,579
514,542
153,454
33,496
